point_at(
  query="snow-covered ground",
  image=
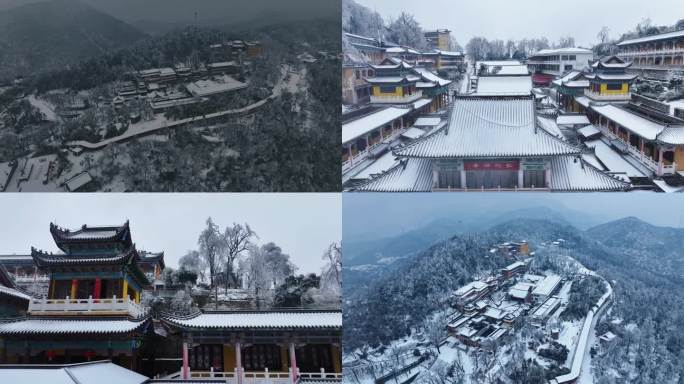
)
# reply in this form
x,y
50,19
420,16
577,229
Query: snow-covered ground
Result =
x,y
43,106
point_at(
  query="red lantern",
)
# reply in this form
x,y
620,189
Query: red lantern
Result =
x,y
89,355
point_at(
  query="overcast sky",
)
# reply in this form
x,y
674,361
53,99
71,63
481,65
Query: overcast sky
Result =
x,y
506,19
370,213
229,11
303,225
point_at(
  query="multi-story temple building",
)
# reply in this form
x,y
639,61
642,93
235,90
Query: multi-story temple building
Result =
x,y
608,81
275,346
92,309
549,63
653,56
438,39
394,83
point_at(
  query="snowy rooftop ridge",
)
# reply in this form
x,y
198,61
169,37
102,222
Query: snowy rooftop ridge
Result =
x,y
94,372
272,319
66,326
489,127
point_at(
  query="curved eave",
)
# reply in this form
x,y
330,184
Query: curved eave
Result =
x,y
228,324
69,326
63,236
44,259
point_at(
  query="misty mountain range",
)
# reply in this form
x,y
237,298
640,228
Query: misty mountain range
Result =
x,y
46,35
157,15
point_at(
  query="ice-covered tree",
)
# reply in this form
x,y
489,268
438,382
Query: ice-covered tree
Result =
x,y
406,31
238,238
211,245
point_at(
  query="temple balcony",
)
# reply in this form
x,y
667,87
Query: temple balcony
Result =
x,y
253,377
599,97
664,51
396,99
659,168
89,306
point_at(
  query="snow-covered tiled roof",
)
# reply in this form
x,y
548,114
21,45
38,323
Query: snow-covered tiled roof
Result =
x,y
612,76
660,36
513,70
13,292
643,127
672,135
263,320
473,285
368,123
489,127
550,126
613,160
421,103
413,133
427,121
583,101
546,286
68,326
42,258
392,79
409,175
561,51
572,120
572,174
429,76
588,131
98,372
504,86
497,63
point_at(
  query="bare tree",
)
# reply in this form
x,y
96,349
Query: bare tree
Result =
x,y
603,34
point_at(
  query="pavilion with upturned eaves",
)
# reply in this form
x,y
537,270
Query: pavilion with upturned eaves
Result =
x,y
92,309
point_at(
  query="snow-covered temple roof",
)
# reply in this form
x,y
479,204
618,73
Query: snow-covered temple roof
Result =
x,y
429,76
260,320
14,293
43,259
508,70
476,285
573,174
588,131
89,234
489,127
361,126
573,119
643,127
392,79
96,372
66,326
409,175
546,286
660,36
504,86
561,51
672,135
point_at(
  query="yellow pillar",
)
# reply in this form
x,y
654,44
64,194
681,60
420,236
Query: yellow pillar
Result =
x,y
228,358
74,288
336,359
125,289
283,358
